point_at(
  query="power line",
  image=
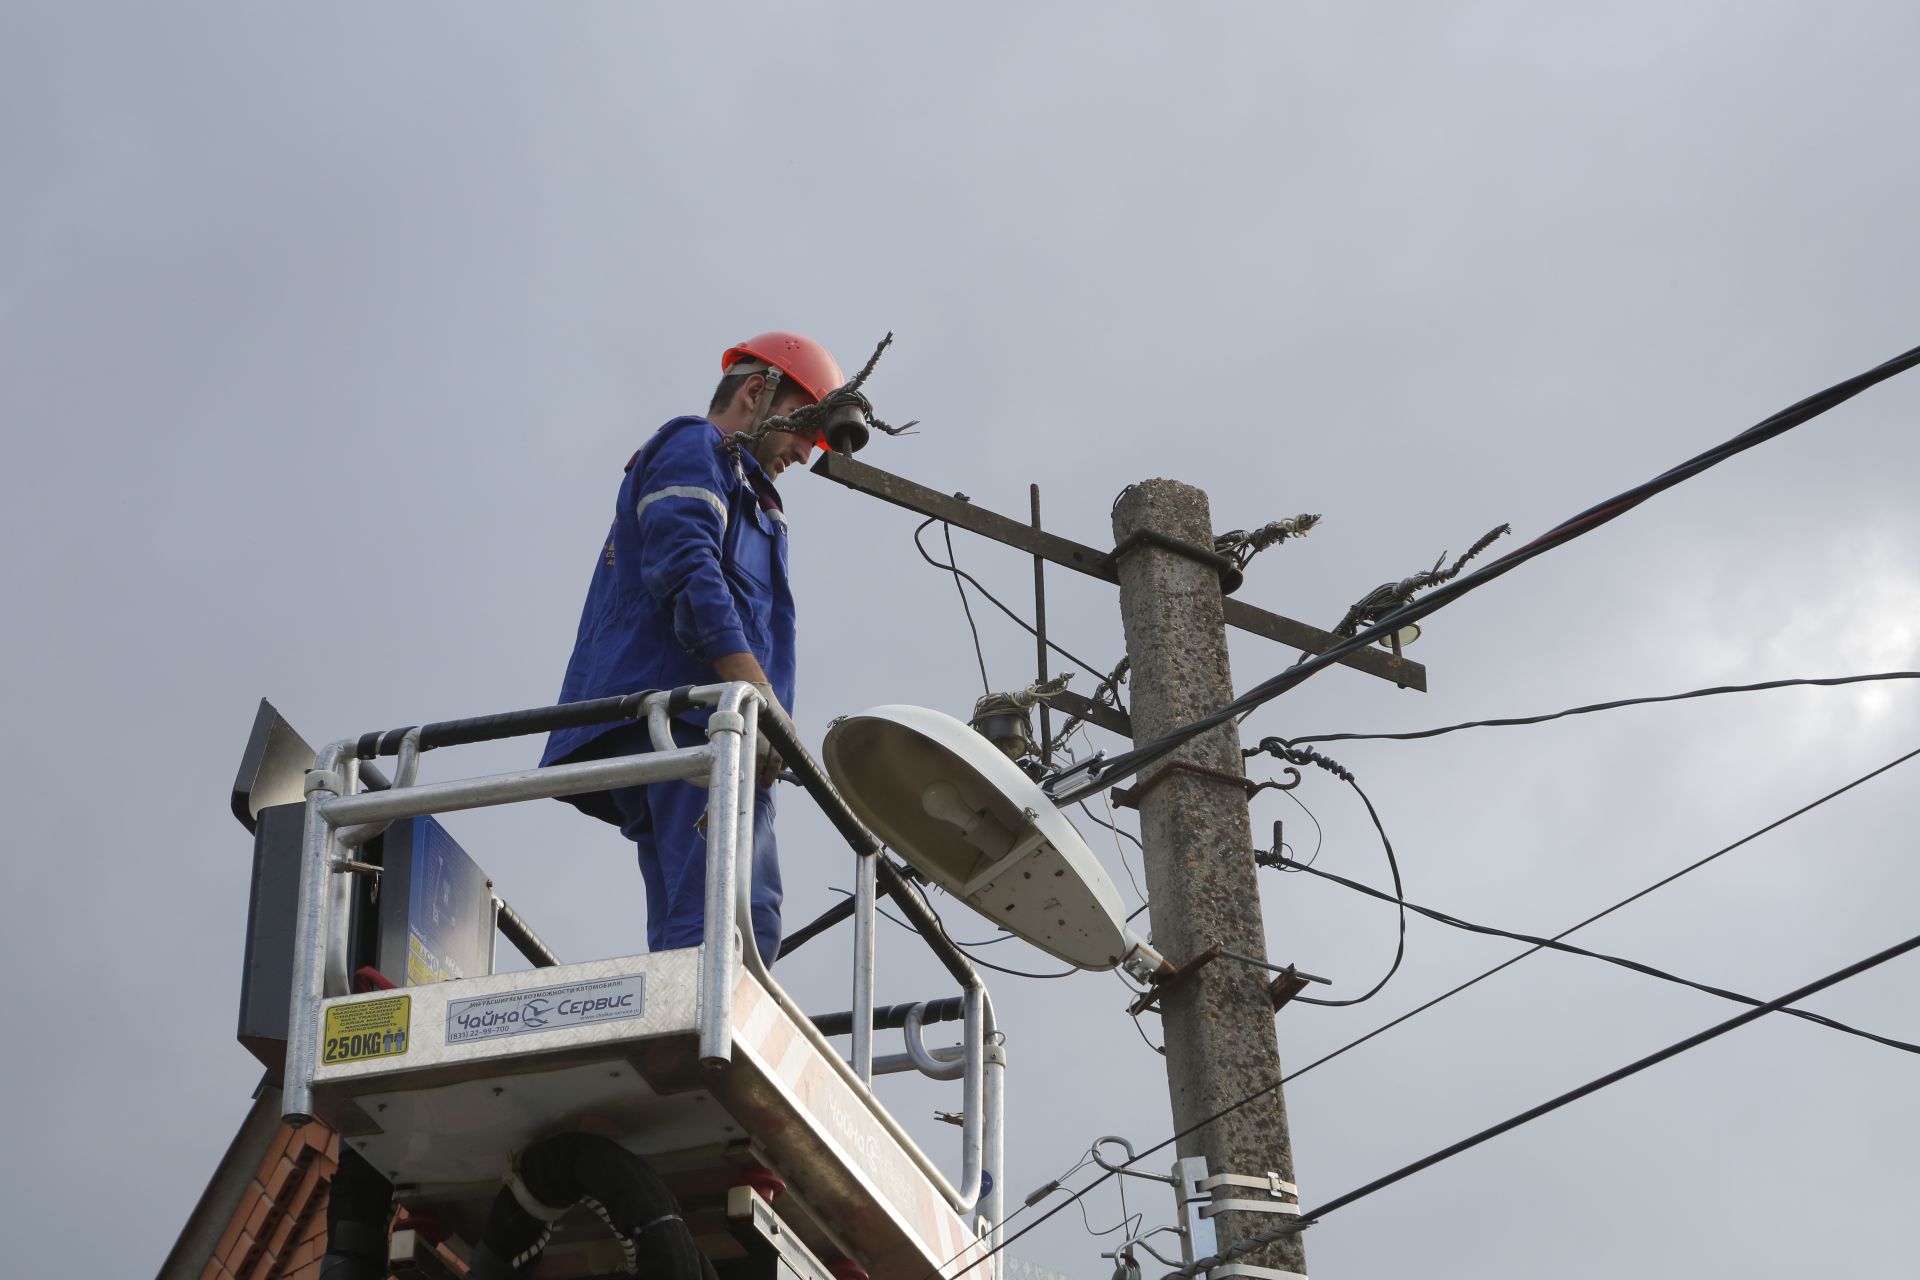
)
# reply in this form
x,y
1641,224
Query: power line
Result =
x,y
1717,690
986,685
1385,1027
1077,783
1309,1217
1456,922
994,600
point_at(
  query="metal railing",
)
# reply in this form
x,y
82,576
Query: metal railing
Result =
x,y
340,814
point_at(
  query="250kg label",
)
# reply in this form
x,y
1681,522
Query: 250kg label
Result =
x,y
368,1029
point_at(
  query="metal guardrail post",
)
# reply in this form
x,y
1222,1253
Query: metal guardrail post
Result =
x,y
310,939
721,941
866,873
989,1210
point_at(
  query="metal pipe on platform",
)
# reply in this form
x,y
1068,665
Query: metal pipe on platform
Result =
x,y
865,877
404,774
309,938
941,1067
659,726
525,784
722,943
990,1211
340,890
893,1064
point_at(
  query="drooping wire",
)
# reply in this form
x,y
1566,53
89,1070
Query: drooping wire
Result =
x,y
985,964
1080,783
1385,1027
994,600
985,942
1717,690
986,685
1554,944
1309,1217
1281,749
1136,993
1118,848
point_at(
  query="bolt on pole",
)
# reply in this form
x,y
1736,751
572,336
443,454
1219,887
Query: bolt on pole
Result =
x,y
1201,877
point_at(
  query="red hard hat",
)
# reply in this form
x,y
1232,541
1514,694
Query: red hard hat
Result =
x,y
806,363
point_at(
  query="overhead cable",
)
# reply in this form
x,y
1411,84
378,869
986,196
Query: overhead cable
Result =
x,y
1309,1217
1824,682
1554,944
1077,783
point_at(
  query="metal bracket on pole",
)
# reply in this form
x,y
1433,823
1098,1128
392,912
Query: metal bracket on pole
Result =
x,y
1289,984
1197,1236
1281,1196
1174,980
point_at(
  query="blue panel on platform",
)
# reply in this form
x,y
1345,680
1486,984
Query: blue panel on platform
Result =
x,y
436,907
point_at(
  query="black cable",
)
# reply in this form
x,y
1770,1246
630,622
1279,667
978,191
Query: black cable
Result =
x,y
1127,835
1598,915
985,942
1136,993
1308,1217
984,964
1456,922
986,686
1124,864
1385,1027
1018,973
1319,835
1284,750
994,600
1079,784
1604,706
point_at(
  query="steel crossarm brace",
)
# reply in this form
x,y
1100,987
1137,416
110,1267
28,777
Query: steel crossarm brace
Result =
x,y
958,511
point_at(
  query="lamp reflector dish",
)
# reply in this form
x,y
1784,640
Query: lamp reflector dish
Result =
x,y
950,803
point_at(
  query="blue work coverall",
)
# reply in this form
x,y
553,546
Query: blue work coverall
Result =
x,y
694,568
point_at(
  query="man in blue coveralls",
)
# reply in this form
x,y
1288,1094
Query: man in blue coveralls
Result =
x,y
691,588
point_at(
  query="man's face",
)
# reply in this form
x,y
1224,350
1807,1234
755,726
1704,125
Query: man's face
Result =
x,y
778,450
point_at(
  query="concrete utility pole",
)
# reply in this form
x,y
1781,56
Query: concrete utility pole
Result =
x,y
1198,838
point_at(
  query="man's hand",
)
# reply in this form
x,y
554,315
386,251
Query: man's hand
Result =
x,y
739,666
744,666
770,761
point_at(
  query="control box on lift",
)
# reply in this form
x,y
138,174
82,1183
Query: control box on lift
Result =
x,y
422,910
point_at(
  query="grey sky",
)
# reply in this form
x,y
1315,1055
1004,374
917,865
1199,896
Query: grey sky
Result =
x,y
324,334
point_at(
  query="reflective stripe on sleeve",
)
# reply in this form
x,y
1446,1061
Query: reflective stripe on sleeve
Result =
x,y
707,496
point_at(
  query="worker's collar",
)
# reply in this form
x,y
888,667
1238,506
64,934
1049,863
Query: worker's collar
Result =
x,y
759,481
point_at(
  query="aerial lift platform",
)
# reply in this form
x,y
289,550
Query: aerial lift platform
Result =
x,y
771,1139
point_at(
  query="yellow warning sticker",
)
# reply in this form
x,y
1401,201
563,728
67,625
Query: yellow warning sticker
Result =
x,y
365,1029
